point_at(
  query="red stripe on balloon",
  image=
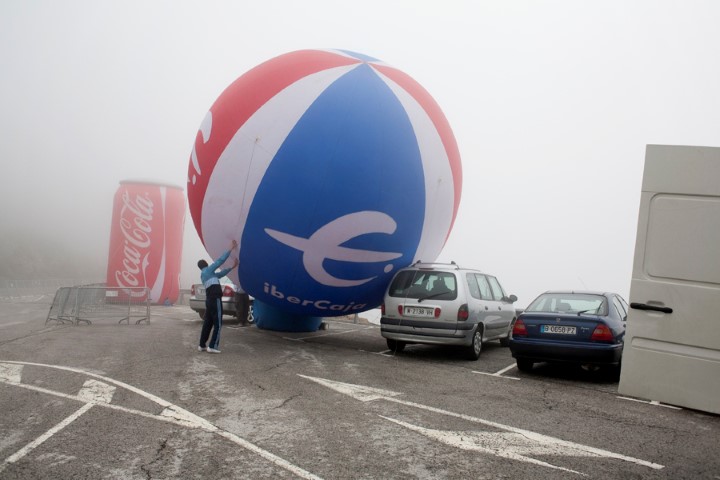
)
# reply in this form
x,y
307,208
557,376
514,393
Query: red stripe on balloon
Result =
x,y
438,118
234,106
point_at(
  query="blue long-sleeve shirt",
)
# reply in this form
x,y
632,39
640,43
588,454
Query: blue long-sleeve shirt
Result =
x,y
208,275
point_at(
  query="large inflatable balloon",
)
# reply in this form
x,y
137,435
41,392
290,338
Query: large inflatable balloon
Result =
x,y
332,170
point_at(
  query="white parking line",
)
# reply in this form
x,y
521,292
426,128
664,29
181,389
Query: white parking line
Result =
x,y
93,394
509,367
300,339
651,402
368,394
38,441
500,373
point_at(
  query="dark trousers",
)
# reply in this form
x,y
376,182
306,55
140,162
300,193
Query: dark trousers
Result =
x,y
242,306
213,317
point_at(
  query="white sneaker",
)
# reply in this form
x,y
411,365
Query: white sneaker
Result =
x,y
212,350
200,349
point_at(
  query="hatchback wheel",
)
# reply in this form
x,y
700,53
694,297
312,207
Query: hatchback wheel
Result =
x,y
201,313
395,345
524,365
475,348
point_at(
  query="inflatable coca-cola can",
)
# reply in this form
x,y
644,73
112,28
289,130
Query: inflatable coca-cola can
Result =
x,y
146,240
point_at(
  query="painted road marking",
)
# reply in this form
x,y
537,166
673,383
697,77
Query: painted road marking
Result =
x,y
300,339
650,402
38,441
366,394
499,373
513,446
10,373
92,394
94,391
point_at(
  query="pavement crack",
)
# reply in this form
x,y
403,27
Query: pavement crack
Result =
x,y
147,468
32,334
286,401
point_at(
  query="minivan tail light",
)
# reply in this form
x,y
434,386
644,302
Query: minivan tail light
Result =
x,y
602,333
227,291
400,309
463,313
192,290
437,312
382,308
519,329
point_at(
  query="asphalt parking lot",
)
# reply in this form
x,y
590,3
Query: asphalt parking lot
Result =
x,y
138,401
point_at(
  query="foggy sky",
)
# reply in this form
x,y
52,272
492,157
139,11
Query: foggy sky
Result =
x,y
551,103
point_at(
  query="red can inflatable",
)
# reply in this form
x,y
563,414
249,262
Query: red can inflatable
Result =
x,y
146,239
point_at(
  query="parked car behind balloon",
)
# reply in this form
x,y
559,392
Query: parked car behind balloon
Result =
x,y
585,328
231,300
444,304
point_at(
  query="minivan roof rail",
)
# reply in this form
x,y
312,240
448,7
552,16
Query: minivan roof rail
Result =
x,y
420,262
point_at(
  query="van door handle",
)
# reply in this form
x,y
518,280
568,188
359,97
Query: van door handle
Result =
x,y
644,306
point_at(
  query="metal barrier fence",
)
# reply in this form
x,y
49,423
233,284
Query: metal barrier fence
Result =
x,y
84,303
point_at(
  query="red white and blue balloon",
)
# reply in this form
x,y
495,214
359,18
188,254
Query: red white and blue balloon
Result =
x,y
332,170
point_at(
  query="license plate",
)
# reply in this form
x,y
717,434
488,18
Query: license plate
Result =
x,y
561,329
419,312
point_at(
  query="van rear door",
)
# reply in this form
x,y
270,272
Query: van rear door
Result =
x,y
672,342
423,302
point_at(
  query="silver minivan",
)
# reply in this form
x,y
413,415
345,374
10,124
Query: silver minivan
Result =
x,y
444,304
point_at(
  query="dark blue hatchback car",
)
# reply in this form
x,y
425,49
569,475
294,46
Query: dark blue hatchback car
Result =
x,y
586,328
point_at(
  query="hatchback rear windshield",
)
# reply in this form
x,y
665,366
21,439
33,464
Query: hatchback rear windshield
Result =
x,y
422,284
569,303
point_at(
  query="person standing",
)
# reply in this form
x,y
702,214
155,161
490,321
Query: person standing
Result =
x,y
210,278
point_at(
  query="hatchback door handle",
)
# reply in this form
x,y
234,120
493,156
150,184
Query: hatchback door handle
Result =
x,y
644,306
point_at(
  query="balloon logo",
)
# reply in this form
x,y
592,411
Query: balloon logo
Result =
x,y
332,170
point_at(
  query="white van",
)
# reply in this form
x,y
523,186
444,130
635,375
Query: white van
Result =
x,y
672,341
443,304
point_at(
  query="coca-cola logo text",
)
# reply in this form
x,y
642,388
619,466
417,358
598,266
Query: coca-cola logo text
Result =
x,y
135,224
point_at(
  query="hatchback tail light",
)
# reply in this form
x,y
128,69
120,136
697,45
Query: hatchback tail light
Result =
x,y
463,313
602,333
437,312
192,290
519,329
228,291
382,308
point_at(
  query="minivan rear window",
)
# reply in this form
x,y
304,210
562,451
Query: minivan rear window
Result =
x,y
422,284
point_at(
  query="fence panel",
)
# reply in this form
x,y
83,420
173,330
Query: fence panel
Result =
x,y
61,310
88,303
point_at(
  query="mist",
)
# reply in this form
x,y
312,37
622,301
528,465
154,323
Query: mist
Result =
x,y
552,105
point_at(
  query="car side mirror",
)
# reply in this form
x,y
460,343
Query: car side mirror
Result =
x,y
511,299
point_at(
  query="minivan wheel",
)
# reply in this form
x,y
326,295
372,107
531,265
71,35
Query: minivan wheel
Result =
x,y
395,345
475,348
201,313
524,365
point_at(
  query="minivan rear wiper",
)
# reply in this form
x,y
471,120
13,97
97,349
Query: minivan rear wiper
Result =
x,y
431,296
